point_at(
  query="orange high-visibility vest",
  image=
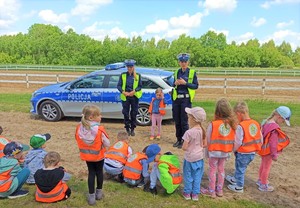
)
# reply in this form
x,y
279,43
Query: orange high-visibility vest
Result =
x,y
252,136
133,167
283,142
56,194
6,180
162,107
222,137
174,172
94,151
118,152
2,145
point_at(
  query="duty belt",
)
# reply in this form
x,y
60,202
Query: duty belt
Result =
x,y
183,96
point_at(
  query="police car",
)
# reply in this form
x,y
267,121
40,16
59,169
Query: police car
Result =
x,y
67,99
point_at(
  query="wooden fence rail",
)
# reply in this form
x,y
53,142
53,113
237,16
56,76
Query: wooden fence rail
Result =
x,y
262,84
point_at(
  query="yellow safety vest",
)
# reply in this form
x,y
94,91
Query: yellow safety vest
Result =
x,y
192,92
137,94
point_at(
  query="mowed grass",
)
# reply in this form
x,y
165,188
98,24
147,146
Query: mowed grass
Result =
x,y
259,109
121,196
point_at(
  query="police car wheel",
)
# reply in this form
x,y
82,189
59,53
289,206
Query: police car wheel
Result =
x,y
143,116
50,111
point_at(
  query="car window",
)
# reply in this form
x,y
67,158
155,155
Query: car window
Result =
x,y
113,81
149,84
95,81
169,80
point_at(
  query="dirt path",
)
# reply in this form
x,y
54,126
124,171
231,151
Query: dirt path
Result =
x,y
284,177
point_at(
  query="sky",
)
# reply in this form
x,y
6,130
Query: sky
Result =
x,y
239,20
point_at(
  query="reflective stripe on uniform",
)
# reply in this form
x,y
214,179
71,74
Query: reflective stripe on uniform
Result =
x,y
252,142
175,175
5,181
50,195
221,142
87,151
117,153
133,170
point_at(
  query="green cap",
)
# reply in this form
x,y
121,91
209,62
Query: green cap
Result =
x,y
37,140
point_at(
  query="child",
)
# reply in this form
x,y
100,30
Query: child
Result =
x,y
116,156
3,142
92,140
248,141
34,158
51,180
157,111
12,175
275,140
136,168
193,145
166,169
220,139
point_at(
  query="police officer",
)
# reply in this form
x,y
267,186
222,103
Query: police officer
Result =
x,y
130,87
183,93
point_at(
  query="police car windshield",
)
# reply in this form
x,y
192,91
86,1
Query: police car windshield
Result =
x,y
169,80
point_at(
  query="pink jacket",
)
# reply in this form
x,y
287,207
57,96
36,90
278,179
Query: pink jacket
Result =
x,y
273,142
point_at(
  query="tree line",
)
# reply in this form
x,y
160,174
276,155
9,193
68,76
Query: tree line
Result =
x,y
49,45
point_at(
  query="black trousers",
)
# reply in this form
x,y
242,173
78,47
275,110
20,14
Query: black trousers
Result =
x,y
95,171
130,110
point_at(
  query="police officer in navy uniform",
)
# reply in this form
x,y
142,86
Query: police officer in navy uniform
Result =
x,y
185,86
130,87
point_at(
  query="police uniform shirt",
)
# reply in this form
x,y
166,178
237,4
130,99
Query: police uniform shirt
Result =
x,y
183,89
129,83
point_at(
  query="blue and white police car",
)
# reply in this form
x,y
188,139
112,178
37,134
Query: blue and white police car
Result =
x,y
67,99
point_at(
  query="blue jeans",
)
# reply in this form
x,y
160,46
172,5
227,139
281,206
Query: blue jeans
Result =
x,y
154,175
112,170
192,175
241,163
22,177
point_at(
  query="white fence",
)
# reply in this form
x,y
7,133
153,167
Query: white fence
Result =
x,y
262,84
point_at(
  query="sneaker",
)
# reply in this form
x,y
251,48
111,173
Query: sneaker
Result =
x,y
219,193
258,183
231,179
235,188
99,194
195,197
18,194
151,138
186,196
266,188
141,184
207,192
158,137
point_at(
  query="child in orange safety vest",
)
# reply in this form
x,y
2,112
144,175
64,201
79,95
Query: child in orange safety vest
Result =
x,y
248,141
12,175
220,136
157,111
116,156
3,142
92,141
275,140
51,180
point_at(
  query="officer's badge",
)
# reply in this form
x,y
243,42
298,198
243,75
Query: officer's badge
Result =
x,y
253,129
223,130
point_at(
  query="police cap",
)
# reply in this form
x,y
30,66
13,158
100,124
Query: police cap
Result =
x,y
183,57
129,62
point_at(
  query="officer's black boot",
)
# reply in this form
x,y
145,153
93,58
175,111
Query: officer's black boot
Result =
x,y
180,144
132,132
128,132
176,143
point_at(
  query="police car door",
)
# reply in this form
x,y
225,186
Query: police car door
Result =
x,y
111,99
85,90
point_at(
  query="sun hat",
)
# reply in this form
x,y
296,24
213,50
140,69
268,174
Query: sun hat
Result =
x,y
197,112
151,152
285,113
13,148
37,140
129,62
183,57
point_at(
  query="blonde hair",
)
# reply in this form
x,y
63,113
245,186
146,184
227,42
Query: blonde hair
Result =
x,y
241,107
122,135
274,113
200,124
88,111
51,159
224,112
158,90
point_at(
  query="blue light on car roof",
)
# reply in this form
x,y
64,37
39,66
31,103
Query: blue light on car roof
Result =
x,y
115,66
